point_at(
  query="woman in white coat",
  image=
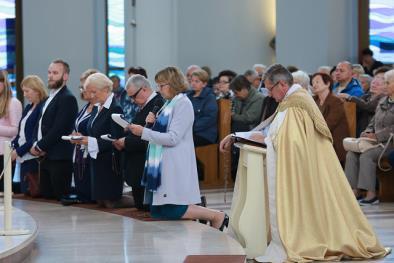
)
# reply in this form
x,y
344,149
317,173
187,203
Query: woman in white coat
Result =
x,y
170,177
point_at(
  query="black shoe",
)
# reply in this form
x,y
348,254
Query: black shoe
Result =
x,y
203,204
373,201
70,200
226,220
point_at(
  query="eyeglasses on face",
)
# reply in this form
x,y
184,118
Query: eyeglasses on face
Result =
x,y
135,94
160,86
270,89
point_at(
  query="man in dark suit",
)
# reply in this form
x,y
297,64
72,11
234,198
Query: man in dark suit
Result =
x,y
57,119
140,91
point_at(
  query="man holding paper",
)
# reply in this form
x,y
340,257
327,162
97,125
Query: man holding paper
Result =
x,y
139,90
313,212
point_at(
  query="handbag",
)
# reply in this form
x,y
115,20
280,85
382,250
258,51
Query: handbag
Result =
x,y
33,182
387,165
360,145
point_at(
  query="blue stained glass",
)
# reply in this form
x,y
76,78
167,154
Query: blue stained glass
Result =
x,y
116,35
381,29
7,40
119,73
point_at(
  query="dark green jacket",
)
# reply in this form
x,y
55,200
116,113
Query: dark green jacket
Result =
x,y
247,113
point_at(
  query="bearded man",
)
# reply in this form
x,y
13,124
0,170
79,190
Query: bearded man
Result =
x,y
57,119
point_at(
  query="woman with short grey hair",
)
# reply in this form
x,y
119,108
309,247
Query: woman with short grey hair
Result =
x,y
107,181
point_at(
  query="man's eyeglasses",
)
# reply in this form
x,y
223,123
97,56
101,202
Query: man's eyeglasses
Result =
x,y
135,94
270,89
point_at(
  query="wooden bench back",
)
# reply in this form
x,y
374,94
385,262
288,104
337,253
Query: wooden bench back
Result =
x,y
224,129
217,165
350,110
224,118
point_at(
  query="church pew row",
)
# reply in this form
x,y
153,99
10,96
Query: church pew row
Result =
x,y
217,165
386,179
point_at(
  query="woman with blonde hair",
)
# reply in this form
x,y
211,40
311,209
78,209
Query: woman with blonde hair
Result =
x,y
35,92
170,177
10,114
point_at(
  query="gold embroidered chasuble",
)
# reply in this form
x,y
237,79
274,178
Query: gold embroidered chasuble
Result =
x,y
318,216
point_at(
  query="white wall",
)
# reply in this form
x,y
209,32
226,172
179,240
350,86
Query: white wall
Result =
x,y
312,33
71,30
226,34
152,44
222,34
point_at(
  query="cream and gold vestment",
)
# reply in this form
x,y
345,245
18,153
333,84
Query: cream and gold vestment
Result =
x,y
317,215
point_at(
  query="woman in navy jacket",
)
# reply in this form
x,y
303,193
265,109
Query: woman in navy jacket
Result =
x,y
205,130
82,178
34,91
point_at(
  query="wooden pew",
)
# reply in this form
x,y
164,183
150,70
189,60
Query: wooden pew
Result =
x,y
217,165
224,129
350,110
386,183
208,156
386,179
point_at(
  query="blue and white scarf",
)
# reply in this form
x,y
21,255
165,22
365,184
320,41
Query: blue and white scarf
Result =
x,y
152,172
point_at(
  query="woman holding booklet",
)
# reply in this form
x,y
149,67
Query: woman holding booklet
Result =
x,y
106,179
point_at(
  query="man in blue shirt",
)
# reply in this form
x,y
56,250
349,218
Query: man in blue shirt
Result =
x,y
129,108
345,81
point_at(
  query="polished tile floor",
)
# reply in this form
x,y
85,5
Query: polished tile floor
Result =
x,y
22,233
70,234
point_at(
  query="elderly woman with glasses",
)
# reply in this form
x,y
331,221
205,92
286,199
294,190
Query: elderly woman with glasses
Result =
x,y
366,104
82,180
360,168
107,181
170,178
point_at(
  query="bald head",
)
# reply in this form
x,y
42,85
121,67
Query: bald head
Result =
x,y
344,72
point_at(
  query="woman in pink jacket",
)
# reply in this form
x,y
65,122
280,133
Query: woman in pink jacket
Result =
x,y
10,115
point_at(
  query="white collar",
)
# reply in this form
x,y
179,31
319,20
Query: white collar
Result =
x,y
293,89
107,102
150,98
53,92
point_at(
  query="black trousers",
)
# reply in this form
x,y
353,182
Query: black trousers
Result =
x,y
55,178
134,164
138,192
